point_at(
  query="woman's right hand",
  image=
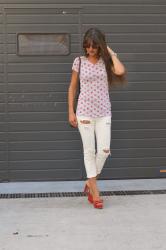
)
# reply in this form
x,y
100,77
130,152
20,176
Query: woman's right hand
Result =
x,y
73,119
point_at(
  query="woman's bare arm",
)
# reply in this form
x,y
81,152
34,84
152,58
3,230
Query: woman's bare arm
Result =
x,y
118,67
71,97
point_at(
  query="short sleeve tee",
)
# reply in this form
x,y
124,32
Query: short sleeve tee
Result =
x,y
94,99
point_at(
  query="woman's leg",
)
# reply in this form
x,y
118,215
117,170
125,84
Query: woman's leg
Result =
x,y
86,127
103,139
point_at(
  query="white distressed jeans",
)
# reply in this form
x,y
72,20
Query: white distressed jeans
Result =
x,y
90,128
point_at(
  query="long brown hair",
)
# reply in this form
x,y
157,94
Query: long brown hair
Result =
x,y
97,38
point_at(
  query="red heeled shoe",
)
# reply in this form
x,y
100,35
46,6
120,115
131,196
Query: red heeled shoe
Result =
x,y
87,191
90,197
98,204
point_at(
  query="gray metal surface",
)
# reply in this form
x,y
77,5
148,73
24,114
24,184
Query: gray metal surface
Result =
x,y
36,141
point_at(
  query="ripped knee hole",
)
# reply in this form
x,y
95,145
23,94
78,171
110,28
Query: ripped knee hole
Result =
x,y
107,151
85,121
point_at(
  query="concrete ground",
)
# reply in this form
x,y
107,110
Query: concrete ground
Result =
x,y
127,222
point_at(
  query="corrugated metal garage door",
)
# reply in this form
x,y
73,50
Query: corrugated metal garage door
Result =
x,y
36,141
41,145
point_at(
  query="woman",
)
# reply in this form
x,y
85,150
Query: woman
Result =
x,y
99,68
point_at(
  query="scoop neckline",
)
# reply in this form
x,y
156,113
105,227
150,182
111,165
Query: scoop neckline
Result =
x,y
93,63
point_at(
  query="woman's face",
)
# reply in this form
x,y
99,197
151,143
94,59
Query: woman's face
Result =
x,y
92,49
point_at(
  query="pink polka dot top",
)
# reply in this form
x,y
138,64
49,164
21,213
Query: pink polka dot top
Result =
x,y
93,100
